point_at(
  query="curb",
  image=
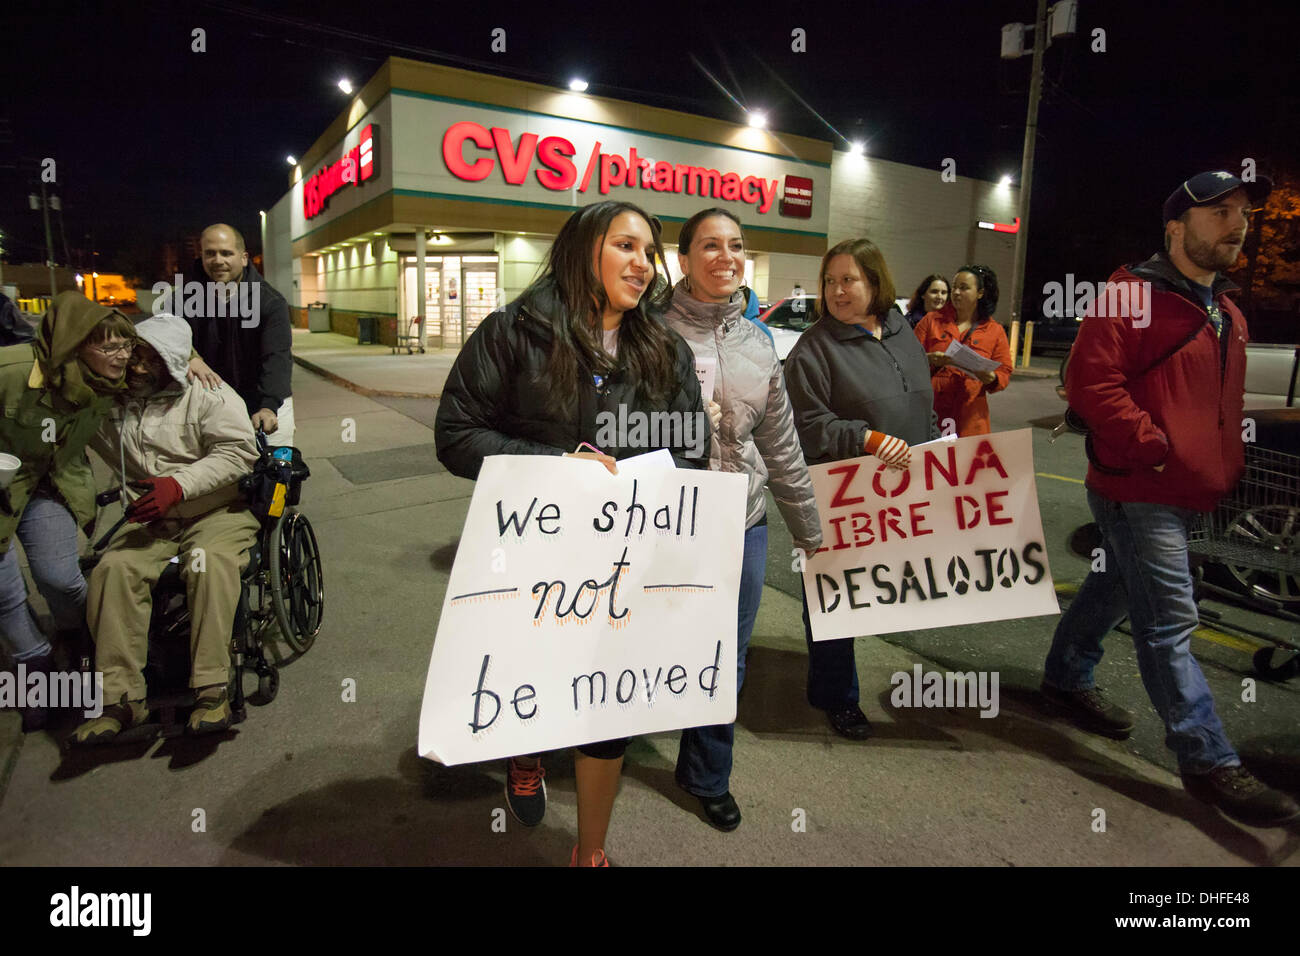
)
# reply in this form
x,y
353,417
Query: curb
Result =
x,y
359,389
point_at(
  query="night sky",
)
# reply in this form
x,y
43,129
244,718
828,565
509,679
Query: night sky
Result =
x,y
154,141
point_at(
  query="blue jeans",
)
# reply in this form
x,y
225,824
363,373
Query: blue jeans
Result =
x,y
49,536
704,756
1147,579
832,669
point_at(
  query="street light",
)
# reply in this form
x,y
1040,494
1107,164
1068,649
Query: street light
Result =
x,y
290,160
757,120
856,148
345,86
578,85
1004,182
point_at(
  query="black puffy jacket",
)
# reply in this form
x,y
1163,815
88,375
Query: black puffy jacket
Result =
x,y
496,399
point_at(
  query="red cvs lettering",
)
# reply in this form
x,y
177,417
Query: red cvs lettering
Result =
x,y
514,163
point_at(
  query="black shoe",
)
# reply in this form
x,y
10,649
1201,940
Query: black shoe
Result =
x,y
1242,796
1090,711
37,718
722,811
849,721
526,793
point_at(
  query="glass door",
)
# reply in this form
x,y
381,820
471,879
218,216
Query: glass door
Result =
x,y
433,321
480,287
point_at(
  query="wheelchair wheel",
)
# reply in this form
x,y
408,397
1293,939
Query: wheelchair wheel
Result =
x,y
297,585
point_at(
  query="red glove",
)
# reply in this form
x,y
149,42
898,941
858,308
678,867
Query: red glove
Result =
x,y
162,494
892,451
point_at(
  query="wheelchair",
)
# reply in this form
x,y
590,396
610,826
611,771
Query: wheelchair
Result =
x,y
282,587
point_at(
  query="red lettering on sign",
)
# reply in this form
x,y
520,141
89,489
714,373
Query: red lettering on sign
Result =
x,y
553,153
838,500
514,163
453,143
995,508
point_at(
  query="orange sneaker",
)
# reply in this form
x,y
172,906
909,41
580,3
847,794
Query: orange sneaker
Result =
x,y
597,859
526,793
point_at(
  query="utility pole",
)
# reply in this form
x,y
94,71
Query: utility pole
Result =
x,y
1027,161
49,240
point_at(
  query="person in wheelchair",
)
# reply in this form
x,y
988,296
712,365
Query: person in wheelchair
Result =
x,y
180,451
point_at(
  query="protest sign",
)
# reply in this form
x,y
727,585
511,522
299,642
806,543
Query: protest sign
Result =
x,y
584,606
955,539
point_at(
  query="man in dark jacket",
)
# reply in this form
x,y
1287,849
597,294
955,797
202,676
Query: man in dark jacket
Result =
x,y
1158,372
252,352
14,329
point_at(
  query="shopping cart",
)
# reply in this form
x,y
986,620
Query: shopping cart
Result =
x,y
1255,534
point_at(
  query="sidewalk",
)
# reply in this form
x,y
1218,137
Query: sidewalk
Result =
x,y
374,371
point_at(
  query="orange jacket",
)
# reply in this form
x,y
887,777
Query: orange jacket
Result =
x,y
957,396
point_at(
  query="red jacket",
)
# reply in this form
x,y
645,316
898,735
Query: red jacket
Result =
x,y
1185,413
956,395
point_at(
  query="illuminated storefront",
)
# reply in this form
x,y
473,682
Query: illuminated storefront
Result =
x,y
439,190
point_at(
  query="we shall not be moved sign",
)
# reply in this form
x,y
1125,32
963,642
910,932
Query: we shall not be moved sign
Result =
x,y
584,606
955,539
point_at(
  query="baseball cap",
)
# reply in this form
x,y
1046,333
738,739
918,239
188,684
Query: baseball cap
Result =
x,y
1206,188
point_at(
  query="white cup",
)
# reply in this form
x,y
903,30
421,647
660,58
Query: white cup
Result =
x,y
9,466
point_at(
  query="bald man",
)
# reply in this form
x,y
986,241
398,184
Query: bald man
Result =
x,y
251,353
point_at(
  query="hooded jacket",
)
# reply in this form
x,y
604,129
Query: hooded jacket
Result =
x,y
756,436
496,400
257,361
45,390
957,395
198,436
843,381
1185,412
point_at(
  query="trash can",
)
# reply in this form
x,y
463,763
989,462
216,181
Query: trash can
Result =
x,y
318,317
366,332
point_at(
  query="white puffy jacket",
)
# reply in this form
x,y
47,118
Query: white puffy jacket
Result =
x,y
757,436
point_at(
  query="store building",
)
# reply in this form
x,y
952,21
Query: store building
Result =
x,y
443,188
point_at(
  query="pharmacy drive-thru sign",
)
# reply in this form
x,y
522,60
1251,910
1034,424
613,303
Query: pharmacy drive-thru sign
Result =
x,y
584,606
955,539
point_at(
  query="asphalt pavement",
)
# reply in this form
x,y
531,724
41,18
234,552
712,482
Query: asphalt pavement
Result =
x,y
318,778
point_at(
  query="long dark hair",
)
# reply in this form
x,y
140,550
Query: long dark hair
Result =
x,y
918,296
570,295
986,281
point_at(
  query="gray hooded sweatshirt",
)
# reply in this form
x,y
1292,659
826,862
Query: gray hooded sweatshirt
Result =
x,y
202,438
757,435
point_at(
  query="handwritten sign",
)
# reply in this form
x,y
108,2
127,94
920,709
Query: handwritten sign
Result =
x,y
584,606
955,539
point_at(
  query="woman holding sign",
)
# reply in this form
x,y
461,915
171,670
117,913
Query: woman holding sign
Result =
x,y
959,395
756,437
860,385
532,380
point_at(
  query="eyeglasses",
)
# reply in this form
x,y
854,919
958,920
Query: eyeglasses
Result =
x,y
124,348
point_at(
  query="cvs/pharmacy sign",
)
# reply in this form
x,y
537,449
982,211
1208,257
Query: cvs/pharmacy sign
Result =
x,y
355,167
471,152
